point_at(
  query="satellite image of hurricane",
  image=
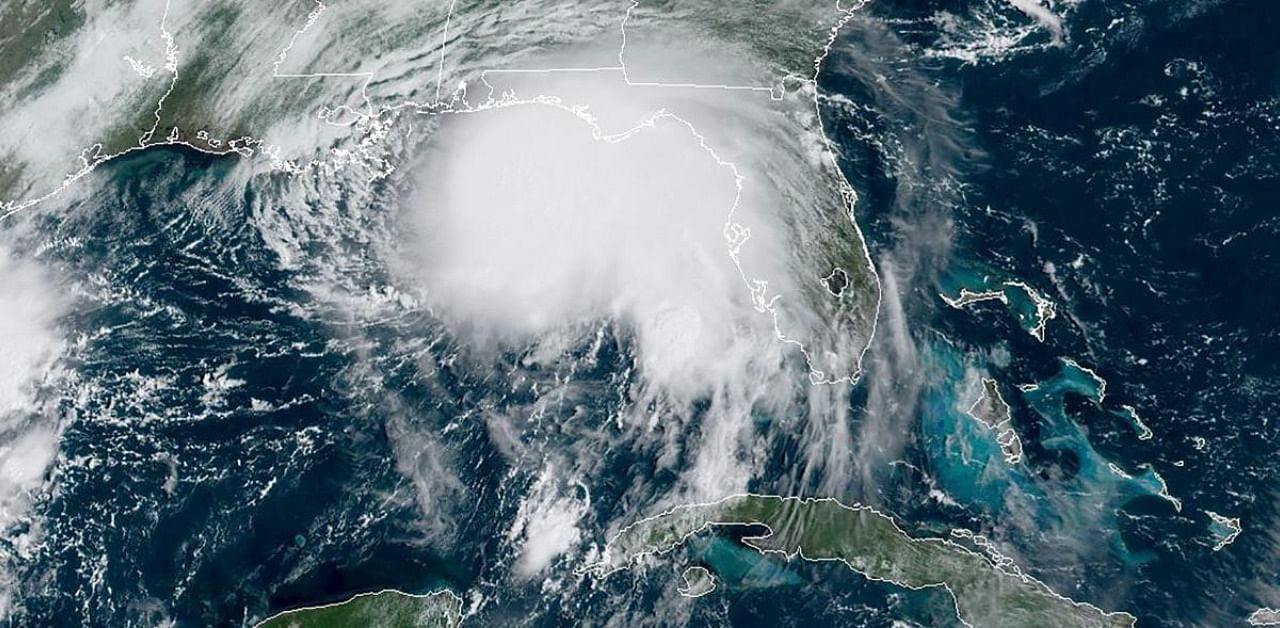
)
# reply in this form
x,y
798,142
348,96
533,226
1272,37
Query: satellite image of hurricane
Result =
x,y
639,313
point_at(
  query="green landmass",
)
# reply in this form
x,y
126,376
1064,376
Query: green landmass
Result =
x,y
783,32
28,28
870,543
385,609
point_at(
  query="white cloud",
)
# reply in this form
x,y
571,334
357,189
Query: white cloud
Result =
x,y
532,223
1041,14
547,524
30,306
614,202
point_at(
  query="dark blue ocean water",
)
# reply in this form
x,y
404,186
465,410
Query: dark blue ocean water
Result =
x,y
1129,174
235,448
167,479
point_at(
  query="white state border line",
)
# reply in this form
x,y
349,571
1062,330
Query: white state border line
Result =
x,y
379,127
734,233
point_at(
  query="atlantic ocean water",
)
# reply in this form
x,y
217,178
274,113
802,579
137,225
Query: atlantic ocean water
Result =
x,y
1126,170
241,439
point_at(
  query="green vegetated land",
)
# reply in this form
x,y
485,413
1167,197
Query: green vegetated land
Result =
x,y
385,609
871,544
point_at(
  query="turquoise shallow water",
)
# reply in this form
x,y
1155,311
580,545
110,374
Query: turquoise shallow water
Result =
x,y
236,450
1128,174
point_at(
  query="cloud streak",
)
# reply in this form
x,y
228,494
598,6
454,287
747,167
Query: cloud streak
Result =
x,y
30,343
680,213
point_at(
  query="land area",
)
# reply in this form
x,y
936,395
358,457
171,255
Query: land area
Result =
x,y
384,609
870,543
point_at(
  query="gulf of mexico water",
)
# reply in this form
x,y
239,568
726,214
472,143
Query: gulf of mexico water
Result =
x,y
237,446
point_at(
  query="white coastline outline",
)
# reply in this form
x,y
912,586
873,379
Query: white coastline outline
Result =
x,y
1231,523
1101,395
1144,432
601,569
685,589
417,596
735,234
1097,379
1045,308
1265,616
1000,428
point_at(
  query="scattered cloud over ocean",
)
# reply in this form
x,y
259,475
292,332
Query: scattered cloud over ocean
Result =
x,y
598,200
31,305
